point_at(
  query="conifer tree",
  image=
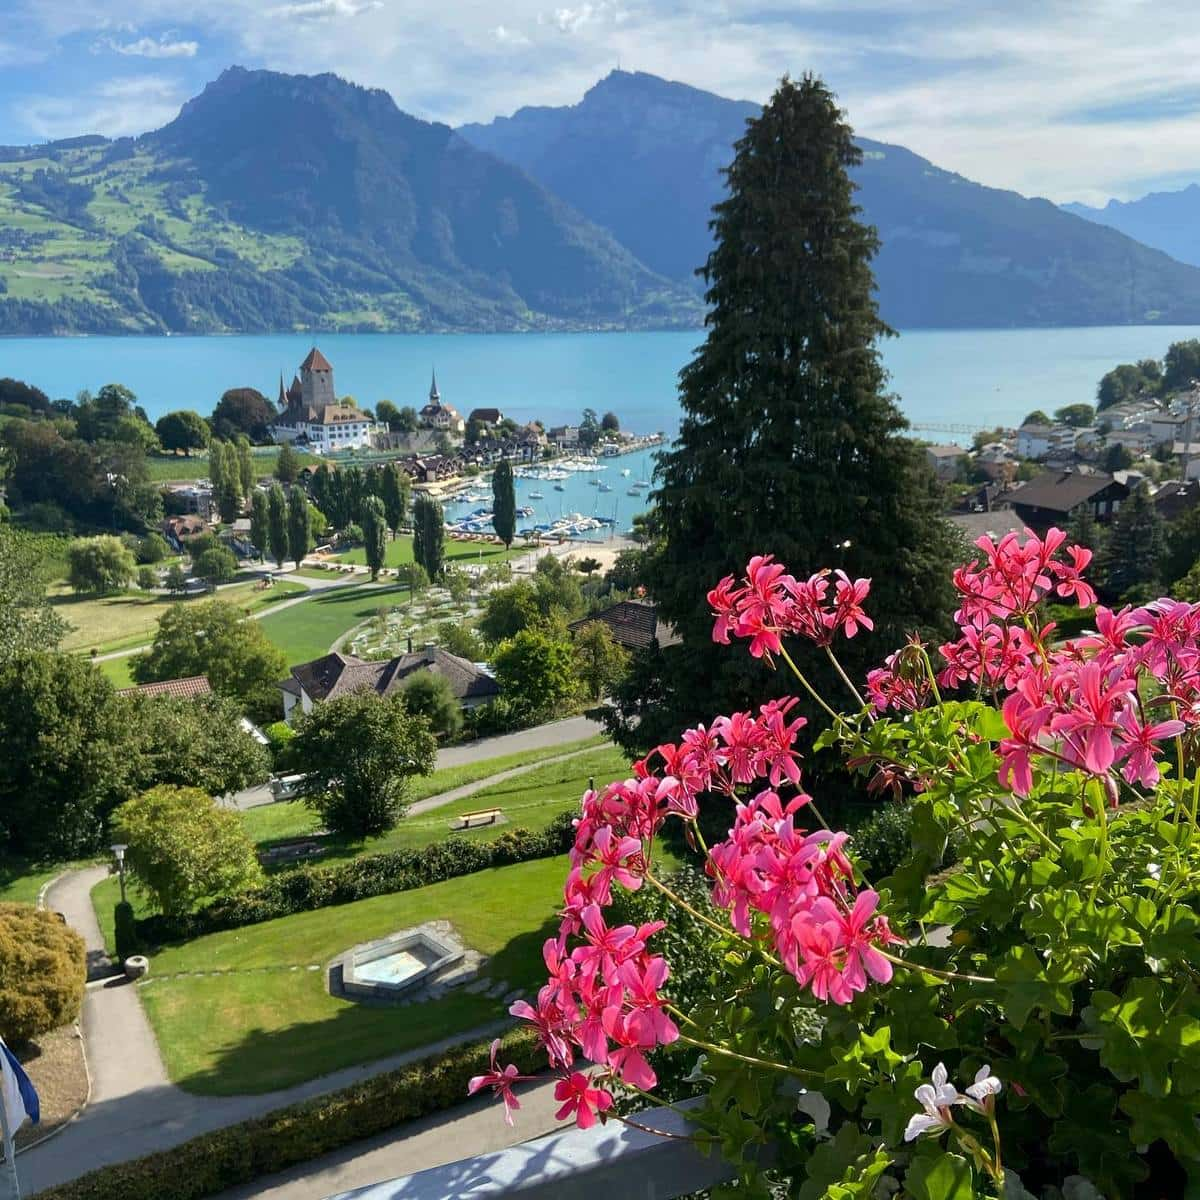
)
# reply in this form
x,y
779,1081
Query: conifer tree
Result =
x,y
504,503
790,443
1133,552
277,537
374,527
299,525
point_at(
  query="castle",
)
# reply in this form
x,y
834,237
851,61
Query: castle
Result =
x,y
311,415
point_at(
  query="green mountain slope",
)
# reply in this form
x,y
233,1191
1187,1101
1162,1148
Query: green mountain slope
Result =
x,y
284,202
642,157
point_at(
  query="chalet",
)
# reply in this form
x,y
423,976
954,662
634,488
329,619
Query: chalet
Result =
x,y
310,414
633,624
436,415
336,675
944,461
1054,496
486,416
1176,497
178,531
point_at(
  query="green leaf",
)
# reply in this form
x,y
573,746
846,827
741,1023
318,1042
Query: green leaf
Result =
x,y
1089,1133
946,1177
1027,983
891,1102
1171,1118
829,1162
859,1178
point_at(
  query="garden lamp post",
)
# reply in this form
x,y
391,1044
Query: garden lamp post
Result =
x,y
119,854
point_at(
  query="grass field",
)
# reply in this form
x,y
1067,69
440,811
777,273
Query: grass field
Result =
x,y
267,1021
118,671
399,552
529,801
306,631
170,468
117,622
21,880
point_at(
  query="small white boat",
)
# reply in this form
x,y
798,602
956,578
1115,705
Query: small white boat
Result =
x,y
625,472
604,487
537,495
633,492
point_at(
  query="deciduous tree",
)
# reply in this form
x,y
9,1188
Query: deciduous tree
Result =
x,y
260,521
374,529
395,488
537,671
358,753
429,535
183,430
601,661
277,534
287,465
216,565
100,565
299,525
245,461
430,695
27,623
243,410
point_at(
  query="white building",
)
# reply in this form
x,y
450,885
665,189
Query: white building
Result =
x,y
436,415
312,416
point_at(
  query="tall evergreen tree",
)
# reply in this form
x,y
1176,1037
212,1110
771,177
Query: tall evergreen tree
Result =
x,y
374,527
1133,553
504,503
260,521
227,487
396,487
277,533
1084,530
429,535
789,444
299,525
245,461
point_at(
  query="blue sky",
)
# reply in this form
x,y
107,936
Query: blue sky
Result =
x,y
1070,99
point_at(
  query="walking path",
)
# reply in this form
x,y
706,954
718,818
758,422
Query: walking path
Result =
x,y
134,1108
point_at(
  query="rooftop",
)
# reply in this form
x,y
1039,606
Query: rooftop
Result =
x,y
179,689
633,624
337,674
1061,491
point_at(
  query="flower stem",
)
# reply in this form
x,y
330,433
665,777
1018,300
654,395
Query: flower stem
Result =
x,y
808,687
748,1058
837,666
903,962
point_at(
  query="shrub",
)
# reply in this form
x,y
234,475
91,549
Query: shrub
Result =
x,y
883,841
247,1151
147,578
42,972
183,846
306,888
280,735
125,931
152,548
431,696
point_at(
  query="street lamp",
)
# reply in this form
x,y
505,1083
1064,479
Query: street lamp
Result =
x,y
119,854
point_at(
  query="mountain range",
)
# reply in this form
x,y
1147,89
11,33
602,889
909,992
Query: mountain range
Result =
x,y
1169,221
277,202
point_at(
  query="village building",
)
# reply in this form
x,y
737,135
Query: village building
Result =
x,y
335,675
486,416
997,462
944,461
311,415
436,415
190,688
1053,497
634,624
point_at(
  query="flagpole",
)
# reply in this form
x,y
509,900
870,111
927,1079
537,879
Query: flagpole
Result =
x,y
13,1188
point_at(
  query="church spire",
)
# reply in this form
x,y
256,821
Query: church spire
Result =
x,y
283,396
434,395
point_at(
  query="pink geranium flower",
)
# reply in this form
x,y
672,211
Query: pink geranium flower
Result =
x,y
581,1099
500,1080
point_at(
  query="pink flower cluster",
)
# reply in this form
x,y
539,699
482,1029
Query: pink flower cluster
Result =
x,y
768,603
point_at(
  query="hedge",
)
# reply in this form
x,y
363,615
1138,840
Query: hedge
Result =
x,y
241,1153
43,967
125,931
306,888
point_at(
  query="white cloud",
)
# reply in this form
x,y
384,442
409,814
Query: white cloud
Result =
x,y
509,37
116,108
148,47
326,10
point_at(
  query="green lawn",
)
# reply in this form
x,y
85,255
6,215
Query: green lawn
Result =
x,y
117,622
271,1023
529,801
21,880
118,671
167,468
306,631
460,553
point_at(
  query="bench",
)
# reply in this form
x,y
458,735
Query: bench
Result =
x,y
471,820
290,852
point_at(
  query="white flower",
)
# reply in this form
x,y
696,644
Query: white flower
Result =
x,y
986,1086
935,1100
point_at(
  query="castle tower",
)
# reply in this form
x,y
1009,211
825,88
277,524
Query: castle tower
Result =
x,y
316,381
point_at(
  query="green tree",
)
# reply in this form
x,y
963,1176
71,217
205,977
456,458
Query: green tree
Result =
x,y
100,565
789,443
408,421
1183,546
374,533
183,430
358,752
183,847
299,525
1181,366
587,565
1118,457
243,410
287,465
460,639
277,534
260,521
113,415
212,639
429,535
394,492
537,671
388,413
430,695
414,577
214,566
226,477
508,611
27,622
64,767
176,580
147,578
610,423
1037,417
600,660
556,589
197,742
152,548
1078,415
245,460
1133,552
589,429
1084,530
504,503
1128,381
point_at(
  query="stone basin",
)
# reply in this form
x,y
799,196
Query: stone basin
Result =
x,y
399,964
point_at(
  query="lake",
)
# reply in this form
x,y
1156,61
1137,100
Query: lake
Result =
x,y
973,377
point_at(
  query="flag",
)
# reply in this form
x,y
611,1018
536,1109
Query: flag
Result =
x,y
17,1093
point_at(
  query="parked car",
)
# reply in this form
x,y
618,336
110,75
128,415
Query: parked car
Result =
x,y
286,787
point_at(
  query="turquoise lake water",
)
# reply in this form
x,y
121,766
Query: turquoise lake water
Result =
x,y
976,377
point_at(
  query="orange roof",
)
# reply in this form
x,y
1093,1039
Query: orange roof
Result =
x,y
179,689
315,361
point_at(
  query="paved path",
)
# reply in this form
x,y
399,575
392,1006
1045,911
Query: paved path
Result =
x,y
134,1108
474,1128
